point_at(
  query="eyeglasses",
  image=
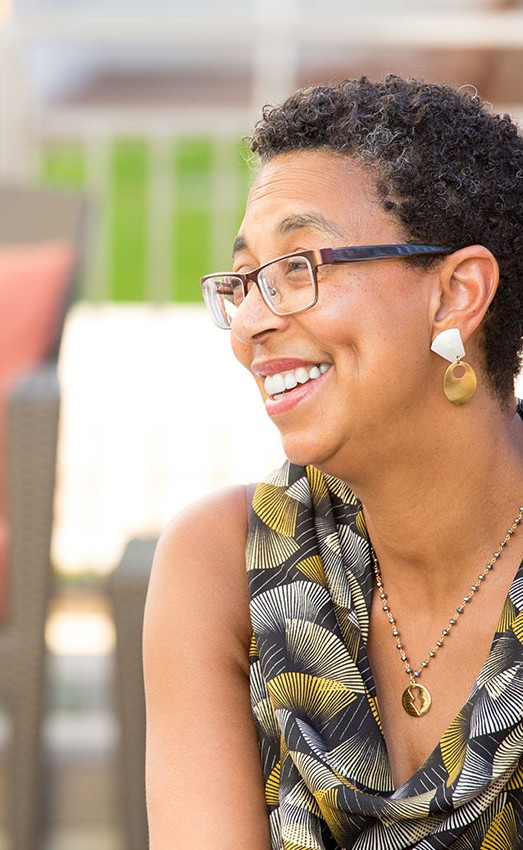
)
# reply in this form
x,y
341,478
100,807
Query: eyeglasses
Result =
x,y
289,284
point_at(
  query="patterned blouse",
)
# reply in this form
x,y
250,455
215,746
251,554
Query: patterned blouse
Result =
x,y
328,780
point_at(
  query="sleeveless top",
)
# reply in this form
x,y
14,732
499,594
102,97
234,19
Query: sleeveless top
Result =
x,y
328,780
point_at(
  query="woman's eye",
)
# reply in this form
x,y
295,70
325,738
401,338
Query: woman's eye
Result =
x,y
296,266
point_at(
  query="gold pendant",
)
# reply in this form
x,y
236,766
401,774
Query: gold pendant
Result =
x,y
459,384
416,700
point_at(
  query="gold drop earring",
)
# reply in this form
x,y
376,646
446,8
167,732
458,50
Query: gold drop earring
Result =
x,y
459,383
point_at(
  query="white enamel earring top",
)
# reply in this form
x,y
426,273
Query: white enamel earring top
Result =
x,y
449,345
459,383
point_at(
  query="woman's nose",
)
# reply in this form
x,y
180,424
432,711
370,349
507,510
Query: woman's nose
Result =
x,y
253,317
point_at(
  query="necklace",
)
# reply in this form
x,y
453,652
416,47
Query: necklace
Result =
x,y
416,698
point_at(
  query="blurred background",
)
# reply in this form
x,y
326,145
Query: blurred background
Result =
x,y
134,113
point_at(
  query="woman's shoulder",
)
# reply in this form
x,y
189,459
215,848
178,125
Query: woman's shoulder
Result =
x,y
217,518
197,634
199,566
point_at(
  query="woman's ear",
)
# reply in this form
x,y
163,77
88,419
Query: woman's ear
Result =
x,y
468,282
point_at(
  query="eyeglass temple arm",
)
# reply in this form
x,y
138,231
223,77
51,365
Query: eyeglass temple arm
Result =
x,y
376,252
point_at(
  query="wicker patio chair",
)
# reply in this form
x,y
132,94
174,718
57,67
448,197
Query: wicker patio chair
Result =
x,y
30,413
128,588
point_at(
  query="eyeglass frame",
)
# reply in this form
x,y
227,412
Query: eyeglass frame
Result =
x,y
323,257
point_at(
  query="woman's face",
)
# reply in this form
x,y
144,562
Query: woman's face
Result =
x,y
369,334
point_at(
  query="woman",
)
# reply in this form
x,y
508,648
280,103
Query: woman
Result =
x,y
383,647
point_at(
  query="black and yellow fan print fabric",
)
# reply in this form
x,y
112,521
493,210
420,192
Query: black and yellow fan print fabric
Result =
x,y
328,781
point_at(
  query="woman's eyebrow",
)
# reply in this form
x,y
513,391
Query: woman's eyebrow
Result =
x,y
314,220
295,222
239,244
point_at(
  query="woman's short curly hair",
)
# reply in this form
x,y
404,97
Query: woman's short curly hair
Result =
x,y
445,165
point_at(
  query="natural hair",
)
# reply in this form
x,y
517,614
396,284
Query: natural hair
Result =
x,y
447,167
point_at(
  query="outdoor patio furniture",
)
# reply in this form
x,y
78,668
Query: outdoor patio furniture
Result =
x,y
34,224
128,587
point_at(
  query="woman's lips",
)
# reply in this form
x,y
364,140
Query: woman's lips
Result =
x,y
293,389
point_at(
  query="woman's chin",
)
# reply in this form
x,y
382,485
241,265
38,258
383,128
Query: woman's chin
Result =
x,y
296,452
303,452
328,459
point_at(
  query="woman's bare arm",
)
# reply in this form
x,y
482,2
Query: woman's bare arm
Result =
x,y
204,780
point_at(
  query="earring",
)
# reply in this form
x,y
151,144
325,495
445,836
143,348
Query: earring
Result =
x,y
459,383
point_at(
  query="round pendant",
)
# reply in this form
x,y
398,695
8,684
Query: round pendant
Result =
x,y
416,700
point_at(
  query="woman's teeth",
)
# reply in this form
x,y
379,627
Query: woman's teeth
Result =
x,y
275,385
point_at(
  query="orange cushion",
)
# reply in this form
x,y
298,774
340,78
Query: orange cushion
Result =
x,y
33,284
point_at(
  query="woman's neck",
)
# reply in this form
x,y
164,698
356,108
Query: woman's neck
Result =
x,y
449,502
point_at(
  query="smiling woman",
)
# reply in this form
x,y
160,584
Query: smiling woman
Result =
x,y
375,297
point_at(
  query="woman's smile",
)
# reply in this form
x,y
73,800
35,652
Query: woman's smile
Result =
x,y
287,389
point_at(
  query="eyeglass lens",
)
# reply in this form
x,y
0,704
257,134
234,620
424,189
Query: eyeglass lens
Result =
x,y
287,286
222,295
